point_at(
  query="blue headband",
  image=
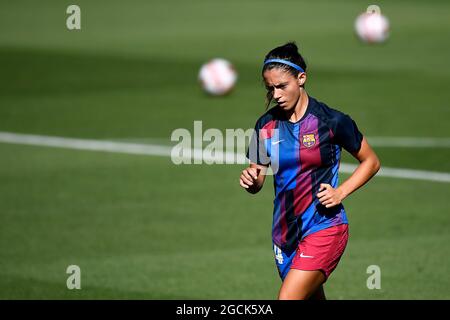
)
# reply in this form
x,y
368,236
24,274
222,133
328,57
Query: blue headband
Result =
x,y
293,65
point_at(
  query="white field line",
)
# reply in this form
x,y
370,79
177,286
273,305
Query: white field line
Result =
x,y
385,142
197,154
409,142
85,144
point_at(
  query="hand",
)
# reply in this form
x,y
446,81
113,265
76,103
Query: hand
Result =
x,y
248,177
329,196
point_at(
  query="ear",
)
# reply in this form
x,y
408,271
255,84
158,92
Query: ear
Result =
x,y
301,79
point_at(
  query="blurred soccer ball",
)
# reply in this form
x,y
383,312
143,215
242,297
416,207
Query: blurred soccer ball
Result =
x,y
217,77
372,27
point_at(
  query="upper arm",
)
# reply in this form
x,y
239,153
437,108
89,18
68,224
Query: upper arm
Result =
x,y
348,136
346,133
365,152
257,152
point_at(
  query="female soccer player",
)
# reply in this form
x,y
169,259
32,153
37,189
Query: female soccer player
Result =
x,y
301,140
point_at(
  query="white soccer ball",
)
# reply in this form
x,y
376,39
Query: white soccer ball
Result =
x,y
372,27
217,76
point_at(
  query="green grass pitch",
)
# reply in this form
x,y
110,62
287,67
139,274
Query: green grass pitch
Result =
x,y
141,227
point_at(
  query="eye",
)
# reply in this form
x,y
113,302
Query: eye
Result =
x,y
281,86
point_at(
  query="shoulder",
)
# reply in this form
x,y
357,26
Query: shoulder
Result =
x,y
344,130
268,117
330,116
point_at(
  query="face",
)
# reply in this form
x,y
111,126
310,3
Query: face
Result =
x,y
284,86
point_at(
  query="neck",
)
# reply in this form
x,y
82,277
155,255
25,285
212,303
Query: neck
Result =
x,y
300,108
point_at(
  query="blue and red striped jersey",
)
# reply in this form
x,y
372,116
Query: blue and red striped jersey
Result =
x,y
303,155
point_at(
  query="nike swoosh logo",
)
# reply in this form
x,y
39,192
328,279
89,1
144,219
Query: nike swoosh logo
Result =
x,y
303,256
277,142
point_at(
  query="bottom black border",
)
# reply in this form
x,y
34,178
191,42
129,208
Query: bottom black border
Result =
x,y
221,309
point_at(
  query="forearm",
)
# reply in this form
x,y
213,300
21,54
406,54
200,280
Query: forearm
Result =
x,y
363,173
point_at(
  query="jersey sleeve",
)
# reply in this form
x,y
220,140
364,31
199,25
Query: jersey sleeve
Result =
x,y
346,133
256,151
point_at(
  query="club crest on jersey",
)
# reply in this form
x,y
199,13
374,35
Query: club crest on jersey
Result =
x,y
309,140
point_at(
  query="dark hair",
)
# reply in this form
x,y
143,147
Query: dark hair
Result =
x,y
288,51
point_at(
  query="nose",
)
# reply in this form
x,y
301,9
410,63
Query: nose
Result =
x,y
277,94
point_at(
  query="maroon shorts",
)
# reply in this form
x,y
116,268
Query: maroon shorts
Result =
x,y
321,250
